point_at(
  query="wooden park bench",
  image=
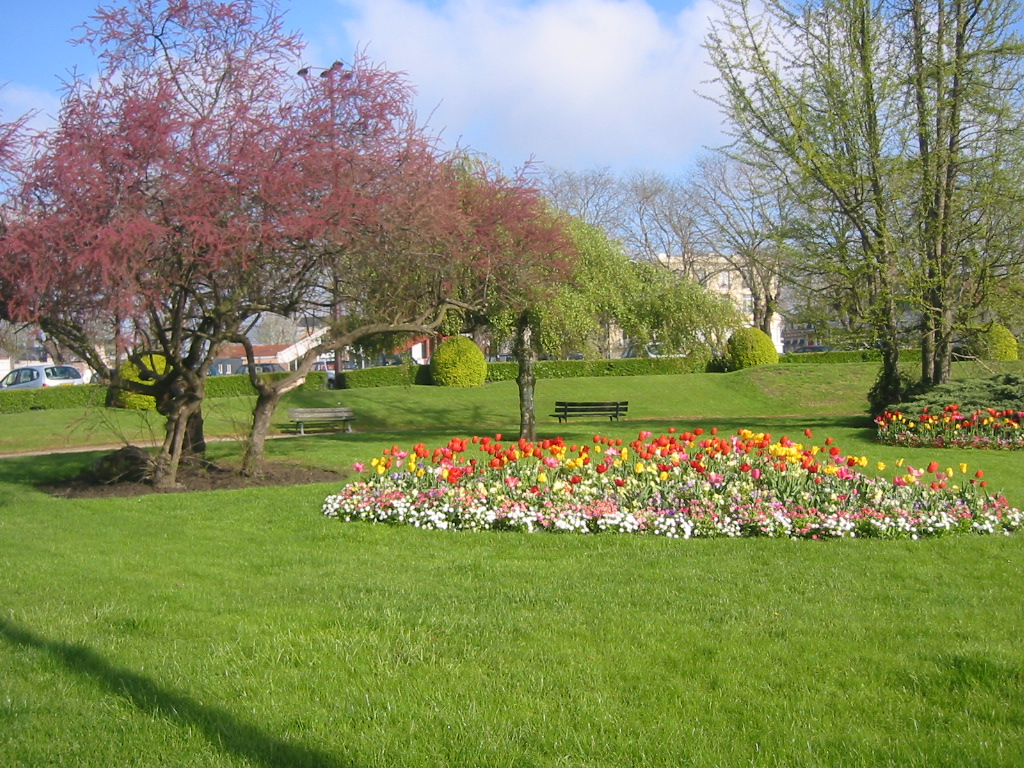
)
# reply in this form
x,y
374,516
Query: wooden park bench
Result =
x,y
566,410
303,416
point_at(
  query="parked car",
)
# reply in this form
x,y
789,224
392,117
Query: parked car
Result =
x,y
34,376
326,366
813,348
261,368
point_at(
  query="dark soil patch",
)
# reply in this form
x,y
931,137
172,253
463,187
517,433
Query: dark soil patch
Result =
x,y
192,477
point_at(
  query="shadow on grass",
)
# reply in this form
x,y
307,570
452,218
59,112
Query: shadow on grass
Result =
x,y
48,468
221,728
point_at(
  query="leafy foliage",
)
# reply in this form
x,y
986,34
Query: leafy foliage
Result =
x,y
995,342
458,362
749,347
148,368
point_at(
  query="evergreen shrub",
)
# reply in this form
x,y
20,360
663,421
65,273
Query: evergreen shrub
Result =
x,y
1000,392
749,347
458,362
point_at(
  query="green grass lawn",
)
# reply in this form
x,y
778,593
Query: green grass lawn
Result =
x,y
241,628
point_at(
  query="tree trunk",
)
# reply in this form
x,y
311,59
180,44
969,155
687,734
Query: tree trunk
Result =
x,y
195,435
182,404
526,379
268,396
255,456
167,462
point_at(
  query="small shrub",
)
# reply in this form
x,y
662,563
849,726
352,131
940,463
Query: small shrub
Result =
x,y
883,394
749,347
130,371
458,362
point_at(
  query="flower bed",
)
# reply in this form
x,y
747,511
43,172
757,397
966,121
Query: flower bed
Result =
x,y
988,428
677,485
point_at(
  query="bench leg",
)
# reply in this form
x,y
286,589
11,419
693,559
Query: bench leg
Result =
x,y
302,428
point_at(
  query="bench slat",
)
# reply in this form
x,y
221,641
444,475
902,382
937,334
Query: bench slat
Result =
x,y
613,409
303,416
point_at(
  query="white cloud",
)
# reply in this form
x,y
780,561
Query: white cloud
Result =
x,y
17,100
576,83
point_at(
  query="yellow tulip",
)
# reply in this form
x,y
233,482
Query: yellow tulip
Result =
x,y
542,477
880,466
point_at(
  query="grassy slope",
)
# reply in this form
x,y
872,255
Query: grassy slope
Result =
x,y
775,391
241,628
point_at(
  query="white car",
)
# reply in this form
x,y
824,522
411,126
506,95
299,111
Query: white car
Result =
x,y
35,376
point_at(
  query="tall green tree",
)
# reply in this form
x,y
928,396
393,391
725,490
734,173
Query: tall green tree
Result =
x,y
898,118
964,61
808,93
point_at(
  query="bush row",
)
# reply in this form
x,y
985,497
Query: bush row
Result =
x,y
86,395
852,356
386,376
237,385
52,398
404,375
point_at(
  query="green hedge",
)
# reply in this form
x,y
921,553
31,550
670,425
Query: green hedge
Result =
x,y
52,398
579,369
86,395
237,385
852,356
386,376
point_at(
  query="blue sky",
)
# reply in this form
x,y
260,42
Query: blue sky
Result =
x,y
575,84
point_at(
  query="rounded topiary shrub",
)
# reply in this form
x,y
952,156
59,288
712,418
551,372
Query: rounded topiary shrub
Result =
x,y
996,342
129,371
458,362
748,347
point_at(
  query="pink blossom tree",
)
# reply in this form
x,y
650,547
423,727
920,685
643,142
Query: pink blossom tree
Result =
x,y
196,183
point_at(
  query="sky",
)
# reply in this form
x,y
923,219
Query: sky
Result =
x,y
568,84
